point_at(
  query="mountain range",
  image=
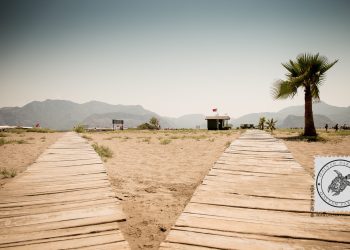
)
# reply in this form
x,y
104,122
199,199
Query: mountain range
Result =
x,y
64,115
293,117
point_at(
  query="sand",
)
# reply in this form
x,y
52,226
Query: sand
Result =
x,y
19,156
335,144
155,181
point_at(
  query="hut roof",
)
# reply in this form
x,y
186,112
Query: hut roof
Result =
x,y
218,117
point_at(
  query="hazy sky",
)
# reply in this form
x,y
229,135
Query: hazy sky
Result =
x,y
173,57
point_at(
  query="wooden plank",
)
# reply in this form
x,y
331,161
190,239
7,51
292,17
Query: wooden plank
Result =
x,y
254,190
63,200
69,242
59,225
64,206
280,218
250,201
9,201
182,238
189,239
60,232
243,226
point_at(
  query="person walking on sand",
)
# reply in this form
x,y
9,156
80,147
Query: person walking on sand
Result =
x,y
326,127
336,127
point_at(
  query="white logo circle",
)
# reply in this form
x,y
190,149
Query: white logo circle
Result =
x,y
333,183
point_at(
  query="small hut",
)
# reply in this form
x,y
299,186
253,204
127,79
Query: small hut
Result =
x,y
218,122
118,124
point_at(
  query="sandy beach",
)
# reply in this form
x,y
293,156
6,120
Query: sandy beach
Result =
x,y
21,149
304,152
154,173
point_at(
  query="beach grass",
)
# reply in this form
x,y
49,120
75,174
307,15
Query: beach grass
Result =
x,y
40,130
86,137
8,173
165,141
103,151
3,141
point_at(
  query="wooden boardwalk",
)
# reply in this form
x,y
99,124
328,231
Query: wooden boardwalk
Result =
x,y
256,196
62,201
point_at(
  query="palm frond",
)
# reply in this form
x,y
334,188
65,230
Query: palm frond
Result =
x,y
292,68
283,89
327,66
308,70
315,92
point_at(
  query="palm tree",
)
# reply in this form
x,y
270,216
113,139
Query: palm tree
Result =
x,y
308,72
262,121
271,124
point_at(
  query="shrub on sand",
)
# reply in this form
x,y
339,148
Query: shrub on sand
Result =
x,y
165,141
8,173
79,128
146,126
40,130
103,151
3,141
87,137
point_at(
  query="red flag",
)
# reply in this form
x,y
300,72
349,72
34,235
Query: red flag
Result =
x,y
215,109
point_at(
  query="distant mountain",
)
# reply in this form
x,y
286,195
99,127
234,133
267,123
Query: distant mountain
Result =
x,y
63,115
320,108
188,121
50,113
293,121
323,111
253,118
130,120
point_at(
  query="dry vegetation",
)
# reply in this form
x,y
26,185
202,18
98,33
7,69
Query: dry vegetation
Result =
x,y
19,148
103,151
154,173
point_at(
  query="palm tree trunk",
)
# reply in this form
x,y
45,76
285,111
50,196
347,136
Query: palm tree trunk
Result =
x,y
309,128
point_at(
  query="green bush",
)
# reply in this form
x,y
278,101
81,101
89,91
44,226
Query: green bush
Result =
x,y
154,122
6,173
79,128
146,126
